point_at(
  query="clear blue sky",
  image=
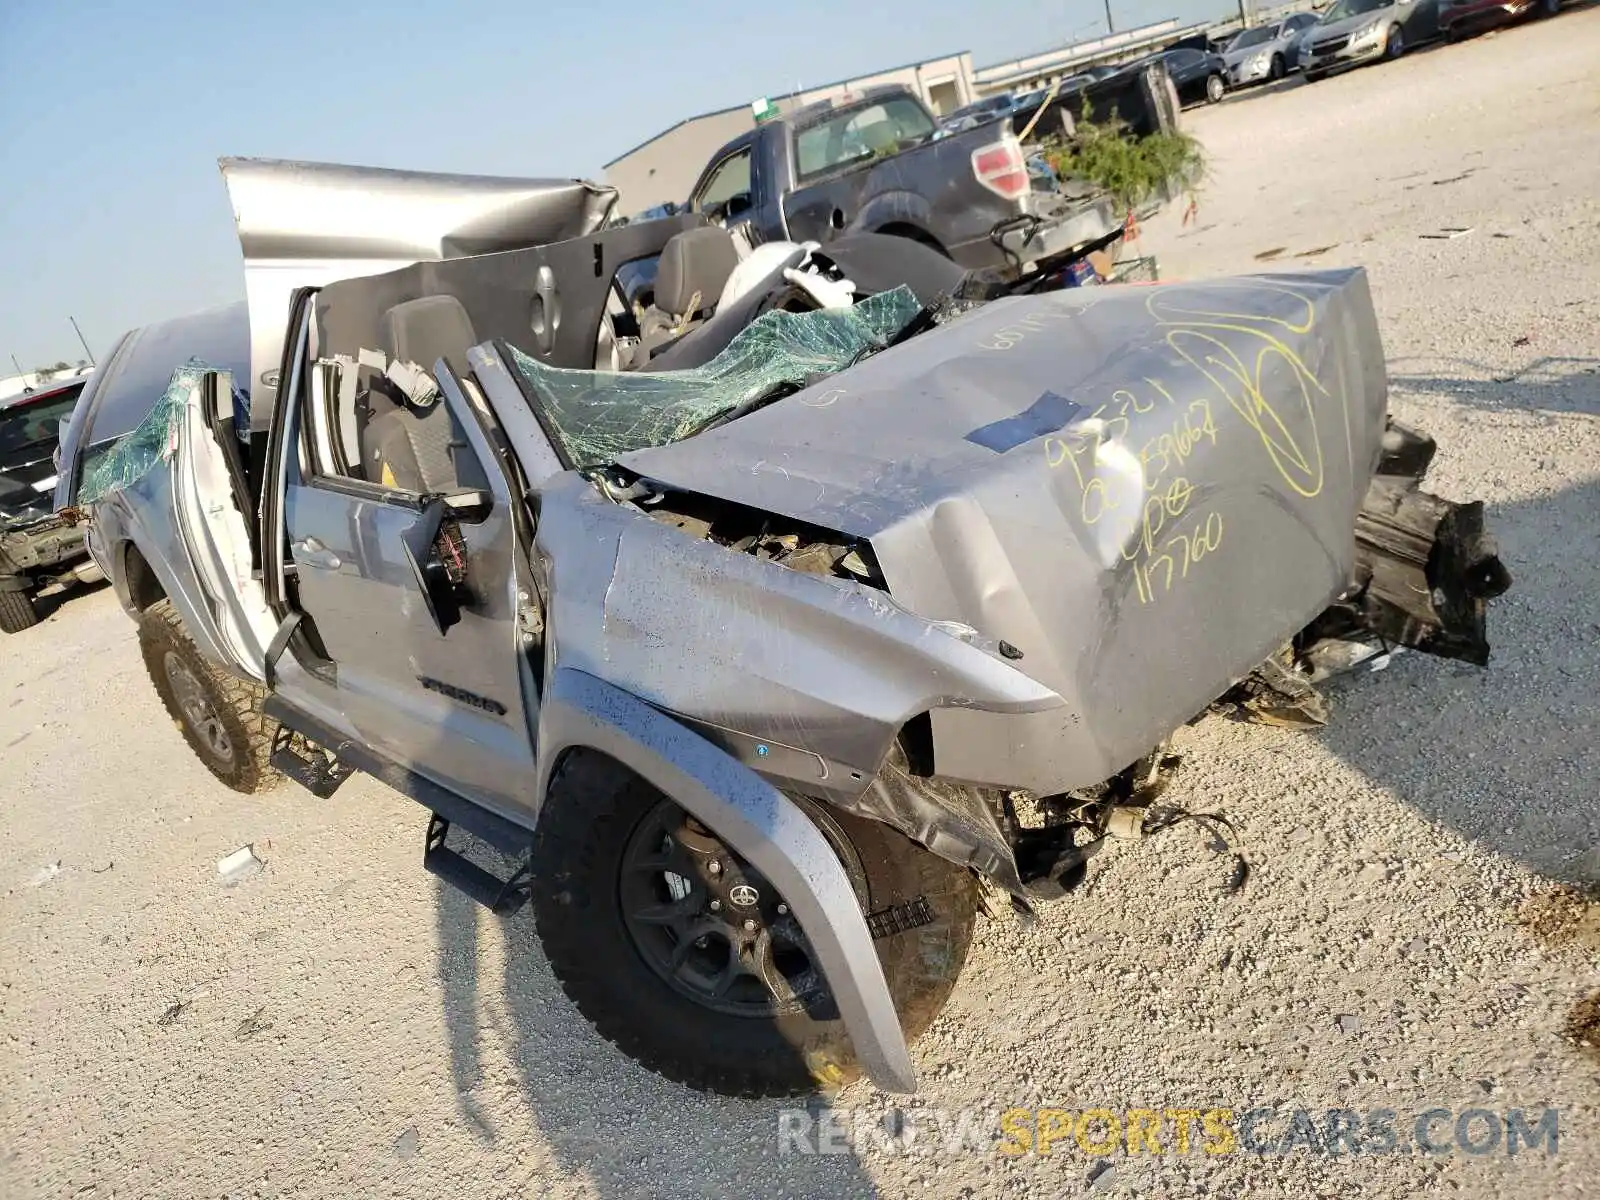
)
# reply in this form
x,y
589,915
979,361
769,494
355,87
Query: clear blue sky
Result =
x,y
113,114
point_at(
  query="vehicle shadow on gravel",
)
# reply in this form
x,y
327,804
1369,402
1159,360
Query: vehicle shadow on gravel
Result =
x,y
606,1120
1506,756
52,600
1550,383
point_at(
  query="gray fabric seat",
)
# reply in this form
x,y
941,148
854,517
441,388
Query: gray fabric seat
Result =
x,y
693,269
403,444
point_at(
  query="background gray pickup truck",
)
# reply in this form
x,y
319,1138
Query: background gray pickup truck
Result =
x,y
37,546
880,163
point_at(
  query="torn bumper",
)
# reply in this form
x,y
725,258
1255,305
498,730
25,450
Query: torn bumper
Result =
x,y
48,543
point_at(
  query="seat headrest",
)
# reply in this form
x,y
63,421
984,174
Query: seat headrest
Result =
x,y
696,260
424,330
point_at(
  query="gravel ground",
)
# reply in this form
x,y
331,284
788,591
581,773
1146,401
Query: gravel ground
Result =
x,y
339,1025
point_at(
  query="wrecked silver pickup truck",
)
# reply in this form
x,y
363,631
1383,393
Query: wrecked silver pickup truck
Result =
x,y
755,667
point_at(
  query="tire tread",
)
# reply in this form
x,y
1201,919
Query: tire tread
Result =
x,y
17,612
582,814
160,629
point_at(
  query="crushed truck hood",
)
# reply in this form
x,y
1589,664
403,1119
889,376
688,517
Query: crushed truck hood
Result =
x,y
1144,491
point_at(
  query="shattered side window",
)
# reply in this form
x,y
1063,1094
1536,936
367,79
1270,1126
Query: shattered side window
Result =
x,y
125,460
599,416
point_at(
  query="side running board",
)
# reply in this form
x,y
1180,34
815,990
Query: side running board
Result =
x,y
320,760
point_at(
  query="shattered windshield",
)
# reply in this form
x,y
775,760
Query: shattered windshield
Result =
x,y
858,134
598,416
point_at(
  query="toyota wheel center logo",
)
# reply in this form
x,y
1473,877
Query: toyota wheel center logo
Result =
x,y
743,895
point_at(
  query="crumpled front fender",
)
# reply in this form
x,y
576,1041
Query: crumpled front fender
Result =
x,y
579,710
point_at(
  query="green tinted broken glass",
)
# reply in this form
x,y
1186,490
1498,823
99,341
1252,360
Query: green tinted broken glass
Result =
x,y
598,416
123,461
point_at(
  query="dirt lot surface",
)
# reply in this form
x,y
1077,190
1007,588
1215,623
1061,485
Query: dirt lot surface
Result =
x,y
338,1025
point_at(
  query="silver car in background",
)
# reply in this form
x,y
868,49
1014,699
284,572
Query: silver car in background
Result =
x,y
1266,53
1353,32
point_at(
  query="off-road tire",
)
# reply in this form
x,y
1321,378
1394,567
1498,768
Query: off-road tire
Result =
x,y
17,612
583,829
236,703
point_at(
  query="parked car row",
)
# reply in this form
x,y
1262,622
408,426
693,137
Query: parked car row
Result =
x,y
1346,34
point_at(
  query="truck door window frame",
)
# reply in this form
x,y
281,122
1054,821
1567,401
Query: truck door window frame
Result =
x,y
833,126
714,174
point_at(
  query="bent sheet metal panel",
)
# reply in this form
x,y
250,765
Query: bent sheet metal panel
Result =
x,y
302,224
1147,490
820,665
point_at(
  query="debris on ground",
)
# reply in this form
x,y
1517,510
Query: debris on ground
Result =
x,y
1318,250
1583,1024
405,1146
1564,916
45,874
175,1010
242,864
1268,255
1102,1176
253,1024
1349,1024
1449,231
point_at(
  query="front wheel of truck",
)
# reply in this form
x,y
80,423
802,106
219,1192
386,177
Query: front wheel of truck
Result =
x,y
218,714
684,956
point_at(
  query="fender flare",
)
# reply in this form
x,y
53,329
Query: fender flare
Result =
x,y
191,609
579,710
895,208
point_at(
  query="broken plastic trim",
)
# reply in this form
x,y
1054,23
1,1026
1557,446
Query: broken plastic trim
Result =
x,y
1425,569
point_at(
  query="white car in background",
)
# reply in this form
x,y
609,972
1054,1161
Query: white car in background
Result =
x,y
1266,53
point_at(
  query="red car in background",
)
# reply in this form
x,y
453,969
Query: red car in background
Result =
x,y
1458,18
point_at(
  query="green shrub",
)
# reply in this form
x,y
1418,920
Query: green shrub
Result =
x,y
1131,169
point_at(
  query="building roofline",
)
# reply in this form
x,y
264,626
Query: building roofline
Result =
x,y
1120,40
1093,58
717,112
